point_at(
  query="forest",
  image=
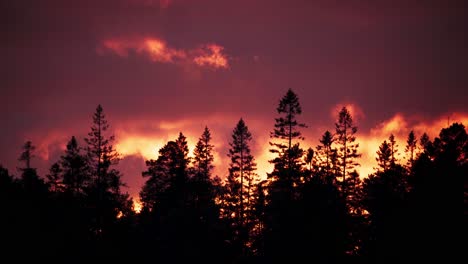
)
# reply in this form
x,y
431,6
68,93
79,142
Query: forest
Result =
x,y
313,207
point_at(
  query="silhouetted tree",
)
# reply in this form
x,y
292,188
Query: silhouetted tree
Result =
x,y
104,189
238,202
27,154
384,156
346,156
205,216
31,182
425,144
31,216
393,149
327,157
347,146
75,168
259,213
203,160
165,199
354,187
54,178
286,130
309,158
181,215
438,172
169,170
101,152
411,144
281,232
326,154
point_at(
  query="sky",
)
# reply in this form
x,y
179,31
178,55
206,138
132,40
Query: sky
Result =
x,y
160,67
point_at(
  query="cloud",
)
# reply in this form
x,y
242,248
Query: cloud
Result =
x,y
157,50
211,55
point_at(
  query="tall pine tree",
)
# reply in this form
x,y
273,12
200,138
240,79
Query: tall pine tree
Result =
x,y
411,144
384,156
281,229
75,168
104,189
203,160
325,153
347,146
393,148
286,131
240,182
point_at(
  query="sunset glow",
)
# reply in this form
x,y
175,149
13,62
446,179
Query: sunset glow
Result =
x,y
369,141
166,130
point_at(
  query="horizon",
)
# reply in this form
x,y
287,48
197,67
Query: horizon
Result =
x,y
161,67
135,150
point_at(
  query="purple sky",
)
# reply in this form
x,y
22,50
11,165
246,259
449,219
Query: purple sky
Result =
x,y
160,67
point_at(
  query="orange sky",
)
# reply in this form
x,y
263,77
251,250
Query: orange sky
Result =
x,y
400,125
163,66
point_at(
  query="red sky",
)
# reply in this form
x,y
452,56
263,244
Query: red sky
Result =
x,y
160,67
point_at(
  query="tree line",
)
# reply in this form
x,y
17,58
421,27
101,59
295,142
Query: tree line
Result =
x,y
312,207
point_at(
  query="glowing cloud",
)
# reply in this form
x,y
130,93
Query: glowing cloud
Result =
x,y
157,50
212,55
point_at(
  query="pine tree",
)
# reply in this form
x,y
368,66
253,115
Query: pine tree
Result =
x,y
100,151
168,172
240,182
394,149
425,143
309,158
74,167
30,180
411,144
347,146
353,183
104,189
285,132
54,178
384,156
285,183
27,154
325,152
203,160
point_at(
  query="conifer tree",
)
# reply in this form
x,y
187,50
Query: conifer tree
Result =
x,y
347,147
384,156
104,189
203,160
325,152
54,178
285,132
393,148
75,169
241,181
411,144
